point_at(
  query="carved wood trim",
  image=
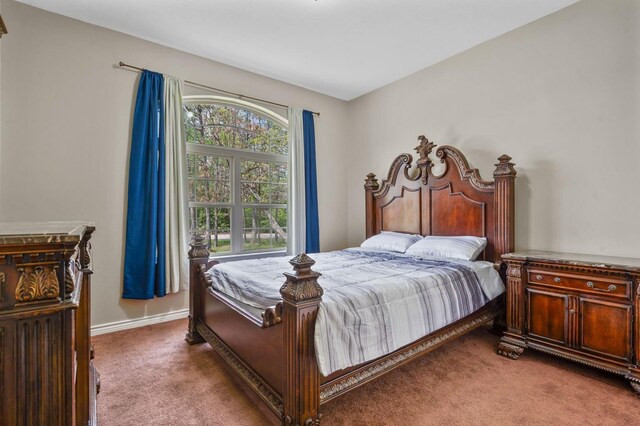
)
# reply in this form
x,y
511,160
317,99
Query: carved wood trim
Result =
x,y
546,349
579,269
465,171
515,298
85,257
509,351
250,377
401,161
377,368
272,316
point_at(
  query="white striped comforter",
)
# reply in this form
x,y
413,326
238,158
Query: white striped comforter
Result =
x,y
374,302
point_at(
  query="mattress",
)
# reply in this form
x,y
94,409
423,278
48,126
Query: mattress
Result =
x,y
374,301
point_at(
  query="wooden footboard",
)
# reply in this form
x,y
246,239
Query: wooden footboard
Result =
x,y
275,356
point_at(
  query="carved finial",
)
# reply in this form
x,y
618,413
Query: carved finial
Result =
x,y
199,247
504,167
302,284
425,147
424,162
371,182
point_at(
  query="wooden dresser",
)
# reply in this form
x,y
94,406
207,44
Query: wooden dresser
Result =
x,y
579,307
46,372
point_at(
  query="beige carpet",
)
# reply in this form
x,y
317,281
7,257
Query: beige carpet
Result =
x,y
151,376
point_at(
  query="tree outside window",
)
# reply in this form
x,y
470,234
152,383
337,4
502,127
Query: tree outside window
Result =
x,y
237,176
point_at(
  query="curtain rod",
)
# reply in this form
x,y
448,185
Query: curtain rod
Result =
x,y
203,86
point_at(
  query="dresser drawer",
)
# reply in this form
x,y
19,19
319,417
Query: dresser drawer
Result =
x,y
603,286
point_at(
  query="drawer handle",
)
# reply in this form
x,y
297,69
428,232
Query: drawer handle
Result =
x,y
572,311
538,277
556,279
612,287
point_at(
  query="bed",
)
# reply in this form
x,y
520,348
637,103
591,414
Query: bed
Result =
x,y
274,338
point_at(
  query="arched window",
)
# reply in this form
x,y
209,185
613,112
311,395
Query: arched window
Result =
x,y
237,174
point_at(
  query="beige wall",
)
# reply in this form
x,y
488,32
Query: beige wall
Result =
x,y
66,131
559,95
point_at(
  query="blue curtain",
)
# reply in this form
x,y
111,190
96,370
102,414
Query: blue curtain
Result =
x,y
144,261
311,184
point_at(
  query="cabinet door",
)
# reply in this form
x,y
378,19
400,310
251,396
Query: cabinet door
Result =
x,y
547,315
605,328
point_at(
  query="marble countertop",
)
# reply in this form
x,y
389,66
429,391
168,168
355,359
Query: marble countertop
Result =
x,y
42,232
631,264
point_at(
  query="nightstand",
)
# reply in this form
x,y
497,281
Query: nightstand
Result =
x,y
580,307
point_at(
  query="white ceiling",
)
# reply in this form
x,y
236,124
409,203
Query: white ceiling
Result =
x,y
342,48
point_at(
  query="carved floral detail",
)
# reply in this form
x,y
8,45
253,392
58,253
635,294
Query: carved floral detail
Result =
x,y
272,316
424,163
247,374
425,147
514,271
37,283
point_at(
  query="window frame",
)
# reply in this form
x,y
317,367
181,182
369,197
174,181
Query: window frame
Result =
x,y
236,157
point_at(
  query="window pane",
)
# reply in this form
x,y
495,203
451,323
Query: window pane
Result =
x,y
215,224
209,178
233,127
265,228
263,182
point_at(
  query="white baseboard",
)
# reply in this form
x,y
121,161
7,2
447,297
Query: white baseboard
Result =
x,y
138,322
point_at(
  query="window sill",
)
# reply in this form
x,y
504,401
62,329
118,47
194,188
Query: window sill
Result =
x,y
247,256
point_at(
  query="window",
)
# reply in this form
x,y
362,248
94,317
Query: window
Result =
x,y
237,174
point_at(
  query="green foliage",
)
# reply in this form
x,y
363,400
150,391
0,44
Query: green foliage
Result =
x,y
210,177
231,127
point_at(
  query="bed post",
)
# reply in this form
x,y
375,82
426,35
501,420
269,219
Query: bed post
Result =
x,y
198,255
301,296
370,185
504,197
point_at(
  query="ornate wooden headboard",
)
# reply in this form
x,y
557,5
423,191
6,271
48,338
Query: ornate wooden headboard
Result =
x,y
457,202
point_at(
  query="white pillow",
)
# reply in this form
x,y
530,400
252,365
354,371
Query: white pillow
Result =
x,y
391,241
467,248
